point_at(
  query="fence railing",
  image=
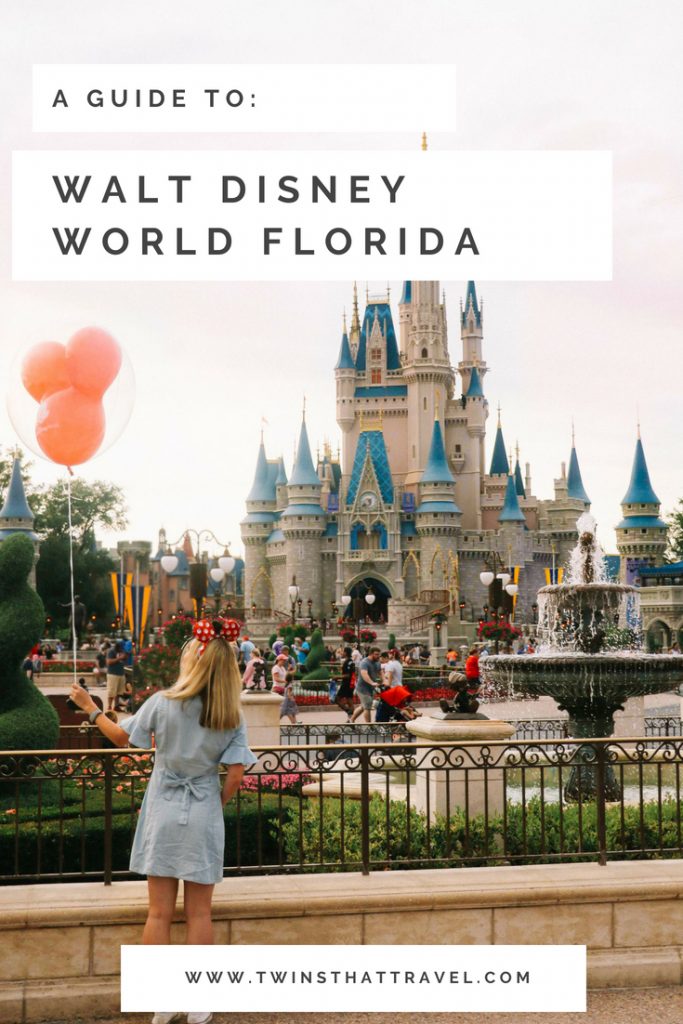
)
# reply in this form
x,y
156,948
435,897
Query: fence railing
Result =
x,y
350,806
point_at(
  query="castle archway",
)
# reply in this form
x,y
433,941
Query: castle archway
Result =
x,y
658,636
358,609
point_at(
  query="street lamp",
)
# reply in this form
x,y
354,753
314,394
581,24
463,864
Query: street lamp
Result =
x,y
226,563
293,592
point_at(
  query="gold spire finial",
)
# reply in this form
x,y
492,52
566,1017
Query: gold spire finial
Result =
x,y
517,450
367,293
344,322
499,414
355,319
638,420
437,402
304,409
424,142
510,461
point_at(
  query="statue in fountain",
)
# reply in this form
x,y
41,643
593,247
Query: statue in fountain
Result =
x,y
590,658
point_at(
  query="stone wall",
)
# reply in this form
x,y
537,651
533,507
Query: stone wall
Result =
x,y
61,942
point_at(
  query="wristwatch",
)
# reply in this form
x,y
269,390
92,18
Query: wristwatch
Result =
x,y
94,715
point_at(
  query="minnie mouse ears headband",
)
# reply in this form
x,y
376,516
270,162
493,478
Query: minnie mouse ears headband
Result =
x,y
206,630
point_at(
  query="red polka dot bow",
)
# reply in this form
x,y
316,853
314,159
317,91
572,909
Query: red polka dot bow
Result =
x,y
206,630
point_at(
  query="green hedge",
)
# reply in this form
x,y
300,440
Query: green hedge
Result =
x,y
75,843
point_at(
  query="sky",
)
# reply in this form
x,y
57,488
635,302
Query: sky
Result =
x,y
211,360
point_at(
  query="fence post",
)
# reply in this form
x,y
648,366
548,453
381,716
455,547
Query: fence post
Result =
x,y
365,809
108,786
600,807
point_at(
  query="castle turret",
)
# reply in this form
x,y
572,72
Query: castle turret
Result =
x,y
427,369
437,517
641,534
303,523
519,481
575,488
16,515
256,528
511,512
499,459
281,485
345,378
472,335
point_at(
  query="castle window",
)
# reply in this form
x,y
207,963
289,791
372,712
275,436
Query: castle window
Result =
x,y
376,354
424,404
458,449
376,377
425,353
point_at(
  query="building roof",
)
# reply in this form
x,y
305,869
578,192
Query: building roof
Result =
x,y
519,481
437,470
263,487
640,491
386,391
281,477
381,310
332,529
345,360
407,294
276,536
408,528
299,509
499,460
438,506
371,441
471,303
642,522
16,506
575,488
475,388
511,512
303,471
260,517
672,569
612,566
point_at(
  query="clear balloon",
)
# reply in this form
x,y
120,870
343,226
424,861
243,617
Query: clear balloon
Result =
x,y
86,388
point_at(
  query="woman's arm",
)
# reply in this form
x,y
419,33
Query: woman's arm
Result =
x,y
110,729
233,778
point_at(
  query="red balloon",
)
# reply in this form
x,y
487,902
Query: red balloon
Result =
x,y
70,426
43,370
93,360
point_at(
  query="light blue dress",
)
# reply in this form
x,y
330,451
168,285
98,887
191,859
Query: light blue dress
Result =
x,y
180,831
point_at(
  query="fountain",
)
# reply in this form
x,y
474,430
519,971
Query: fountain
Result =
x,y
589,658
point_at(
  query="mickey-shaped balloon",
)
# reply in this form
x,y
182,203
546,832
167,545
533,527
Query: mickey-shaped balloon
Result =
x,y
69,382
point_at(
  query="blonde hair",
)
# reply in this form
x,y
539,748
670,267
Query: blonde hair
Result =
x,y
213,676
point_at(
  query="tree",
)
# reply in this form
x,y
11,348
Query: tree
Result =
x,y
674,551
99,504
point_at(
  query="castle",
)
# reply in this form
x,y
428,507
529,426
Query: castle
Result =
x,y
411,510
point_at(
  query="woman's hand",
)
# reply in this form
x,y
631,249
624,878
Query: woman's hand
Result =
x,y
82,698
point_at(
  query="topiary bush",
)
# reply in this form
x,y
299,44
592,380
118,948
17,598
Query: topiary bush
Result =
x,y
27,719
314,666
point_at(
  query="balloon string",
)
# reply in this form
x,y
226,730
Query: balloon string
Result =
x,y
74,637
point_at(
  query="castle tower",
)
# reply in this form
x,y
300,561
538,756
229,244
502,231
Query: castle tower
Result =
x,y
641,534
256,528
519,481
472,335
345,378
437,518
303,523
427,371
16,515
281,486
575,488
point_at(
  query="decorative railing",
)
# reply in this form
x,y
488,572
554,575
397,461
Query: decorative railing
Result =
x,y
71,815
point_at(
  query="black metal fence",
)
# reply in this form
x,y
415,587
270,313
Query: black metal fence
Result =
x,y
349,806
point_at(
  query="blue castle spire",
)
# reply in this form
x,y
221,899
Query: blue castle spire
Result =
x,y
407,294
281,477
471,303
16,506
519,480
475,389
345,360
303,471
640,490
575,488
262,489
499,461
437,470
511,512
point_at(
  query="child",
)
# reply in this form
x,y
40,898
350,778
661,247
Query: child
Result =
x,y
288,707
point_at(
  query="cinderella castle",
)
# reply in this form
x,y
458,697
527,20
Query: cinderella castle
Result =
x,y
412,510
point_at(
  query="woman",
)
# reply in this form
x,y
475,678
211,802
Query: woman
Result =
x,y
197,726
344,697
254,677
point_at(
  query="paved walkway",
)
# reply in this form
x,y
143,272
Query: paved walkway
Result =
x,y
622,1006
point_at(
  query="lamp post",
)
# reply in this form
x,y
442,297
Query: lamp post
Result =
x,y
226,564
293,592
